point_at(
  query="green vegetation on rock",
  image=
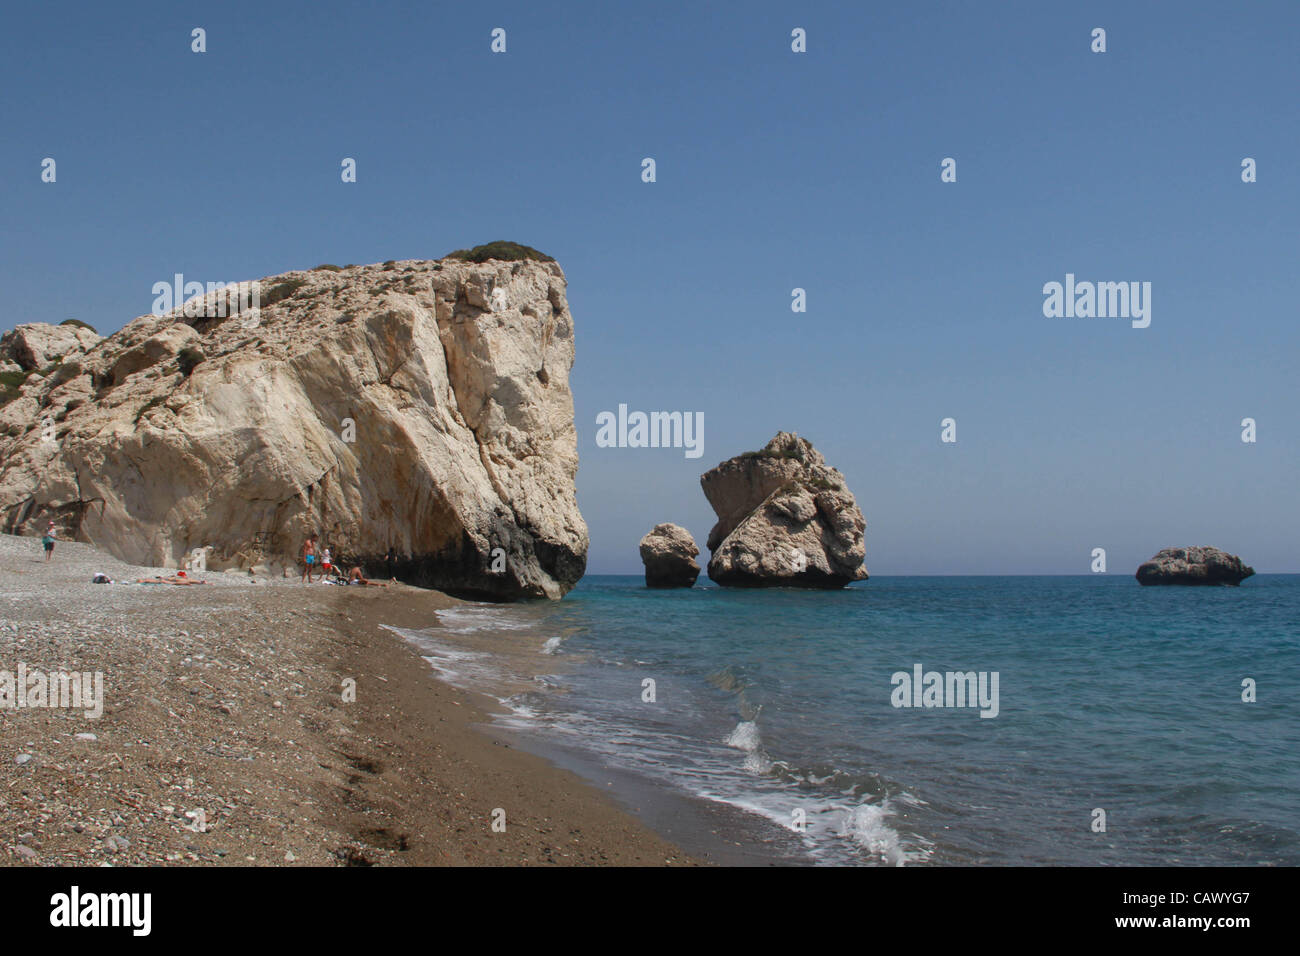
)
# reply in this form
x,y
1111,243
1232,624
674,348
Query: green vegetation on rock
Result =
x,y
770,453
282,290
11,385
507,251
189,358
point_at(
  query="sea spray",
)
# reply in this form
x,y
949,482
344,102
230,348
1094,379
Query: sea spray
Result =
x,y
865,825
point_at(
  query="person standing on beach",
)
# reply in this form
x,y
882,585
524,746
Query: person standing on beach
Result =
x,y
389,558
48,541
308,557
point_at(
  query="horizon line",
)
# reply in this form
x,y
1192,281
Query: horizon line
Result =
x,y
981,574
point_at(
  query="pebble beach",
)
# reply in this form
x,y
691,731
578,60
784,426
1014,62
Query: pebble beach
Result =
x,y
260,721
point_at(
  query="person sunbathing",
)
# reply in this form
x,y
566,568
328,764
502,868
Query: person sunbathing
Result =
x,y
356,577
169,579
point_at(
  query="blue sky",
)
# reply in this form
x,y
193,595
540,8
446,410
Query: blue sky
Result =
x,y
775,170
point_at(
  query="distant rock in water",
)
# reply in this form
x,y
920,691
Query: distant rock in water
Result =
x,y
668,553
785,519
1194,566
417,405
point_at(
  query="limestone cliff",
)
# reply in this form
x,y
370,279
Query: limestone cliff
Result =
x,y
418,405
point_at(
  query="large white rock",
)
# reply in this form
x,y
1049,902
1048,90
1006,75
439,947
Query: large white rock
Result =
x,y
785,519
380,406
36,345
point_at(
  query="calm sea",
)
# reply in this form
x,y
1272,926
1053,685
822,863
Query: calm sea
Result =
x,y
778,705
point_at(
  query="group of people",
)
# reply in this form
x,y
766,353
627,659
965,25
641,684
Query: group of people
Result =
x,y
312,556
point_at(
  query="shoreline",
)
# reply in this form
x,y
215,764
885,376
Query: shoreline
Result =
x,y
709,831
552,816
225,739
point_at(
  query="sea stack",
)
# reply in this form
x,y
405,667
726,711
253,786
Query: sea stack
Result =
x,y
785,519
668,553
417,405
1194,566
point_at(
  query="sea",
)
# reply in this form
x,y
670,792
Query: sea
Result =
x,y
1118,724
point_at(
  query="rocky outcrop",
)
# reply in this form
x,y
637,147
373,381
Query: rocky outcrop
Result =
x,y
36,345
157,349
1194,566
418,405
785,519
668,553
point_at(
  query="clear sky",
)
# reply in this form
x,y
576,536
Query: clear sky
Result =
x,y
775,170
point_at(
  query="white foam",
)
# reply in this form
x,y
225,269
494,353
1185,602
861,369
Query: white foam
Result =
x,y
757,763
839,828
745,737
460,667
480,617
865,825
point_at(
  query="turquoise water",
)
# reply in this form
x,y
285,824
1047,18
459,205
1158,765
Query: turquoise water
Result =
x,y
1110,696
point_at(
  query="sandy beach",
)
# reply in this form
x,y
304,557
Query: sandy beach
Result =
x,y
225,737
